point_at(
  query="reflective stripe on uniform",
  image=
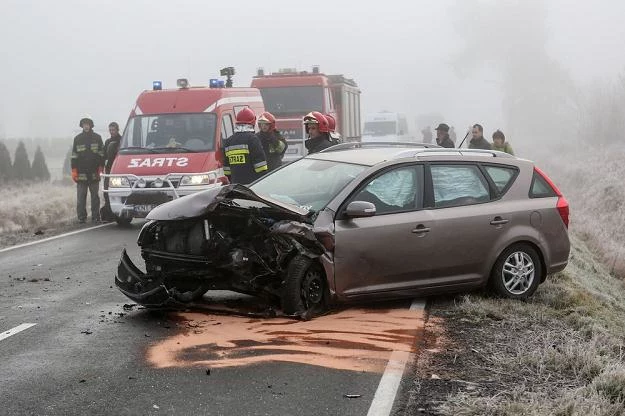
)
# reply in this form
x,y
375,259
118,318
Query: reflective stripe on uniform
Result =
x,y
81,147
227,170
237,152
74,156
260,166
236,147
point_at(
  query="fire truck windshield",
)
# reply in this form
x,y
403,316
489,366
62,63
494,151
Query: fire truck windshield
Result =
x,y
169,133
292,100
380,128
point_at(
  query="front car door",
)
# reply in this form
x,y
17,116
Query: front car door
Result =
x,y
386,253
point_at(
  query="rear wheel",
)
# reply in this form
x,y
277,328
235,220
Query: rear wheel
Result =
x,y
517,272
305,289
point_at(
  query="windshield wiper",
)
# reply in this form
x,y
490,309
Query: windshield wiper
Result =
x,y
175,149
133,148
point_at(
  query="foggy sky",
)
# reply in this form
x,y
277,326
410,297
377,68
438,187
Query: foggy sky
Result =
x,y
63,59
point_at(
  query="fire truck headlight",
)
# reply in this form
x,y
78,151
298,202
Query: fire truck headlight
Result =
x,y
158,183
119,182
195,180
141,183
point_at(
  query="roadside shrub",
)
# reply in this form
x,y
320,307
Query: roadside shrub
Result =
x,y
21,164
39,168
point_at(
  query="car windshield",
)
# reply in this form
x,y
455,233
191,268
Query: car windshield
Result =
x,y
292,100
308,183
170,133
380,128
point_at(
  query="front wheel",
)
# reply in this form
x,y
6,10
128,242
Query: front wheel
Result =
x,y
123,221
305,290
517,272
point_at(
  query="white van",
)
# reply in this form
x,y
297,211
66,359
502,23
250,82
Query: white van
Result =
x,y
386,127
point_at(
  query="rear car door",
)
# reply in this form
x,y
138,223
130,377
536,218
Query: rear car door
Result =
x,y
389,251
466,222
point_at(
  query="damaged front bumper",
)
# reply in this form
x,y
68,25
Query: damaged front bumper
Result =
x,y
142,288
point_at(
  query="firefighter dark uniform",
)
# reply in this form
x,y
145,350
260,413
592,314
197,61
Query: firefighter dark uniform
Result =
x,y
111,147
318,130
244,158
274,145
87,164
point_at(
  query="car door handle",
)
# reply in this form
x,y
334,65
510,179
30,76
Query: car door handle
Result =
x,y
499,221
420,229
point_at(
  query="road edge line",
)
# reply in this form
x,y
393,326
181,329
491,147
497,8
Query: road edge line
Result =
x,y
384,398
44,240
10,332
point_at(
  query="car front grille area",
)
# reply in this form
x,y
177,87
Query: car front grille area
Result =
x,y
151,184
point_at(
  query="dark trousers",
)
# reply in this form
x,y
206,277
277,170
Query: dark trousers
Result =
x,y
81,205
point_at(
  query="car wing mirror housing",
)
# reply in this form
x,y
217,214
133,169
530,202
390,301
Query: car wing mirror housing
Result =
x,y
360,209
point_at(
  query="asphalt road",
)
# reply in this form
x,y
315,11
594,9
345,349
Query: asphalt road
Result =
x,y
87,354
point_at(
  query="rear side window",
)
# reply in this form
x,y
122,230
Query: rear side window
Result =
x,y
502,176
226,126
540,188
456,185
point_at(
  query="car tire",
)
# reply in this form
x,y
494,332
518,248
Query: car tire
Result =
x,y
305,291
123,221
517,272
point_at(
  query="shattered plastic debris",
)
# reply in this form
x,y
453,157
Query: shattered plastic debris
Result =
x,y
352,396
86,332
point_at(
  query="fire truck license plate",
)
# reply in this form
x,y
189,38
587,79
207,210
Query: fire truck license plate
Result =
x,y
143,209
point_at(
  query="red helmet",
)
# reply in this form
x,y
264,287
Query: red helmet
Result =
x,y
315,117
331,122
267,118
246,116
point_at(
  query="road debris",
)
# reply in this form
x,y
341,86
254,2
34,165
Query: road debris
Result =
x,y
86,332
352,396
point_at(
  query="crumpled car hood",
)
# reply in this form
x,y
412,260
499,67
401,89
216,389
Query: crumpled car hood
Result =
x,y
202,203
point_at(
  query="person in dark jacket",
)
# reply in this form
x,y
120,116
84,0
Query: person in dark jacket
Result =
x,y
478,141
87,164
244,158
274,145
442,136
111,146
318,130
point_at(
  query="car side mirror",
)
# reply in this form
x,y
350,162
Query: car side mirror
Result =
x,y
360,209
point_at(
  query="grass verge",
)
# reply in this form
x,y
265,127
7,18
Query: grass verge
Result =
x,y
560,353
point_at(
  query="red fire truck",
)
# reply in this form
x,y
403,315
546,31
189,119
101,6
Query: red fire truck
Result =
x,y
170,146
290,94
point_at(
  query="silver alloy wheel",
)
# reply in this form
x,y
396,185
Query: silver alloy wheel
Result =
x,y
518,273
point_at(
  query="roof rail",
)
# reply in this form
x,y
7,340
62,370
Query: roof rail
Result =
x,y
361,145
451,151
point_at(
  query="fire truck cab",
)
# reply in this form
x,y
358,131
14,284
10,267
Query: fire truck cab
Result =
x,y
171,145
290,94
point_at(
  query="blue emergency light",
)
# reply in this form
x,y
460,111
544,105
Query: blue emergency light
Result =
x,y
214,83
157,85
222,83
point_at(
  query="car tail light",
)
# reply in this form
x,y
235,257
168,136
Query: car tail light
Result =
x,y
563,205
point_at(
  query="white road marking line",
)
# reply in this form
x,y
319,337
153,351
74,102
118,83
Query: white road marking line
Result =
x,y
391,379
55,237
16,330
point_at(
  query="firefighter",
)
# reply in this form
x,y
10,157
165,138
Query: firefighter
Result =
x,y
274,145
335,137
318,131
87,166
111,146
500,143
442,136
478,141
244,158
